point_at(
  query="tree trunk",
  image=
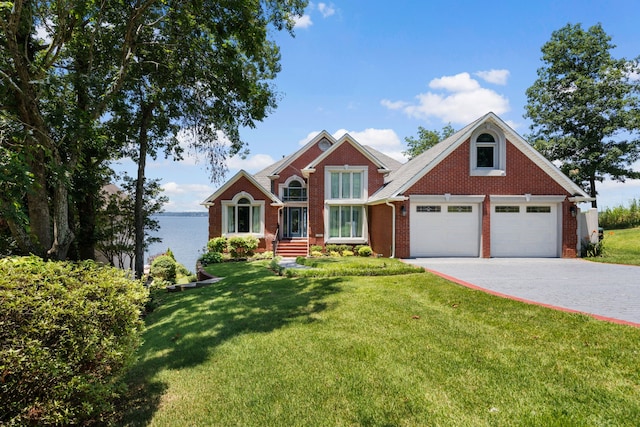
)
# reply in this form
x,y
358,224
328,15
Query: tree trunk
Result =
x,y
139,213
38,207
592,191
62,234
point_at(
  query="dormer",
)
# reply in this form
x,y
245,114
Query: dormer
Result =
x,y
488,151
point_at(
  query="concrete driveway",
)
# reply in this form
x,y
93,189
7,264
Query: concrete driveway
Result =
x,y
605,291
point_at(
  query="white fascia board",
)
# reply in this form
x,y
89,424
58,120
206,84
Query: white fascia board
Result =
x,y
526,198
446,198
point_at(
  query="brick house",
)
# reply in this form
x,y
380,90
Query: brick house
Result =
x,y
483,192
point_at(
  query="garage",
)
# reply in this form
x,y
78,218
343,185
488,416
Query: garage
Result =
x,y
445,227
529,229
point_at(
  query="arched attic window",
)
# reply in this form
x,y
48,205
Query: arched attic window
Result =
x,y
488,152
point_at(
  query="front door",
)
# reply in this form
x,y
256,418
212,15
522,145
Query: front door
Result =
x,y
295,222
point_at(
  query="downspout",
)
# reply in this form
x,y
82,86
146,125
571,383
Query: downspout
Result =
x,y
393,228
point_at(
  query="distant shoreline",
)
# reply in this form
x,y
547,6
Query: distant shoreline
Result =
x,y
205,213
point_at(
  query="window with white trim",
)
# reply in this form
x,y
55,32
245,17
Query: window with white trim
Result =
x,y
346,185
488,152
243,215
346,221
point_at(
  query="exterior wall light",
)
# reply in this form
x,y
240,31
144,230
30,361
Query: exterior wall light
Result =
x,y
574,210
403,210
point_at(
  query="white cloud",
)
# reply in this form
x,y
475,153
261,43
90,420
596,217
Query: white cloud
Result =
x,y
251,164
457,99
303,21
393,105
498,77
383,140
459,83
171,188
326,10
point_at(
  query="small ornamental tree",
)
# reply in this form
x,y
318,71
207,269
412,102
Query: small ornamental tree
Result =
x,y
69,332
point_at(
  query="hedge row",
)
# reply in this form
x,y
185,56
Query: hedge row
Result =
x,y
68,331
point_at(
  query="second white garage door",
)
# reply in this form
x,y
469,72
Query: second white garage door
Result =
x,y
524,230
445,229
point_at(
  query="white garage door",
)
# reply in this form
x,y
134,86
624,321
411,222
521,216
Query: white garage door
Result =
x,y
524,230
445,229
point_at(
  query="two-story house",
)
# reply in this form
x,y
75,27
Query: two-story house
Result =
x,y
483,192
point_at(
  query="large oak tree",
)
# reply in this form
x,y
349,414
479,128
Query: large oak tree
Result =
x,y
584,107
69,68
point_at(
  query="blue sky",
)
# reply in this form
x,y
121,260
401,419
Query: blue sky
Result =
x,y
380,69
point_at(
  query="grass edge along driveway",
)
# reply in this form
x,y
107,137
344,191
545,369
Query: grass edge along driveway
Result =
x,y
258,349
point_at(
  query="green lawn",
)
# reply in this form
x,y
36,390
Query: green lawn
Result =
x,y
258,349
621,247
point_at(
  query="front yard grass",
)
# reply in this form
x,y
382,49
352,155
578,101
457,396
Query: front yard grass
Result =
x,y
620,247
258,349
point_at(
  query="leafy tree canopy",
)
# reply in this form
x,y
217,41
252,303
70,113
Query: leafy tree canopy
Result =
x,y
425,140
585,107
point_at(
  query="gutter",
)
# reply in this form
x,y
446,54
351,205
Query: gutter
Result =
x,y
393,228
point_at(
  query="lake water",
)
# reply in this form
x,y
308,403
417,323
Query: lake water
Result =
x,y
187,237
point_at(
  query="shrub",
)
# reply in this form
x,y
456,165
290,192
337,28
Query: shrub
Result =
x,y
182,271
365,251
347,252
334,253
211,258
331,248
264,255
163,268
315,248
276,267
218,244
69,332
241,247
316,254
620,216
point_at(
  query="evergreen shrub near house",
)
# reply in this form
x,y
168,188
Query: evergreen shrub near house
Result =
x,y
217,244
68,333
364,251
242,247
210,258
164,267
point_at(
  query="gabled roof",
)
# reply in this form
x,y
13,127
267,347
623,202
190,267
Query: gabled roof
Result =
x,y
403,178
372,155
290,159
242,173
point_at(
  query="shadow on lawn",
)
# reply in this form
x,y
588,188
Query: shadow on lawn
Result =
x,y
188,326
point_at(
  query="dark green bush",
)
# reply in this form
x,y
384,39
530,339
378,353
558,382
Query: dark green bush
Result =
x,y
218,244
210,258
242,247
164,268
68,333
364,251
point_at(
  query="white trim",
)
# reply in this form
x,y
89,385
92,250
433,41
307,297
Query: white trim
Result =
x,y
345,240
209,201
286,184
445,198
499,154
526,198
225,204
363,169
